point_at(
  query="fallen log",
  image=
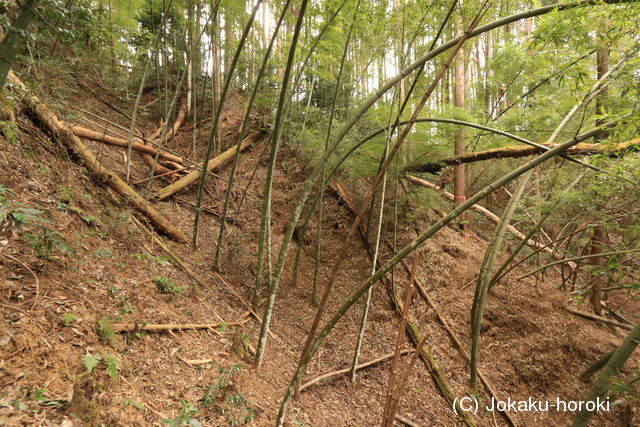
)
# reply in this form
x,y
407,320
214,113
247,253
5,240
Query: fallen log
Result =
x,y
158,168
486,212
182,114
517,151
213,164
138,145
135,327
51,121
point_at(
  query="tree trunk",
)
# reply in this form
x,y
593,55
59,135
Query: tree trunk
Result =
x,y
15,37
599,233
459,89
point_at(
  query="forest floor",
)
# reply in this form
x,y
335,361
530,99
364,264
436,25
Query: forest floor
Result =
x,y
102,264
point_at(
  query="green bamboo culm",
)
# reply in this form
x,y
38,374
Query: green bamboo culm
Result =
x,y
486,270
322,335
216,121
606,377
276,134
323,182
13,40
241,135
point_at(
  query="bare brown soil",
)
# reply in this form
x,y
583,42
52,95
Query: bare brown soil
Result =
x,y
531,346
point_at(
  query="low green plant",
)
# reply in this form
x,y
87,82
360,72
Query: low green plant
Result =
x,y
131,402
166,285
105,330
31,224
223,397
68,319
17,214
161,260
102,253
10,131
110,362
186,417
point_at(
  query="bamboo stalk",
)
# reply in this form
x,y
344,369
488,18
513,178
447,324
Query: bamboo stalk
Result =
x,y
599,318
159,327
337,372
213,164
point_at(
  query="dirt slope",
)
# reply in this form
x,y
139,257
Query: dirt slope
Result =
x,y
96,264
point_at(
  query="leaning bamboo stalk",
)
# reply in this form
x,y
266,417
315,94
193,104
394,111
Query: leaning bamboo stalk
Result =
x,y
342,193
435,370
348,303
374,185
137,145
393,390
51,121
265,227
605,379
242,133
484,277
213,164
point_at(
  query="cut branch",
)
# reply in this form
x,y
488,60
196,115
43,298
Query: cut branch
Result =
x,y
486,212
347,370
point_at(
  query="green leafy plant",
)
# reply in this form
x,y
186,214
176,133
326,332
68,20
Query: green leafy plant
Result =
x,y
185,417
135,404
68,319
10,131
90,361
223,397
166,285
112,366
16,213
105,330
110,362
102,253
161,260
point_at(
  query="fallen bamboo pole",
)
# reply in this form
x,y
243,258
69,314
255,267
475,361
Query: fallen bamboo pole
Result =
x,y
513,152
347,370
214,163
159,327
138,145
490,215
599,318
51,121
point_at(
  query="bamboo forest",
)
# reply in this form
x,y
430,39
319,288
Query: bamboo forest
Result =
x,y
319,212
